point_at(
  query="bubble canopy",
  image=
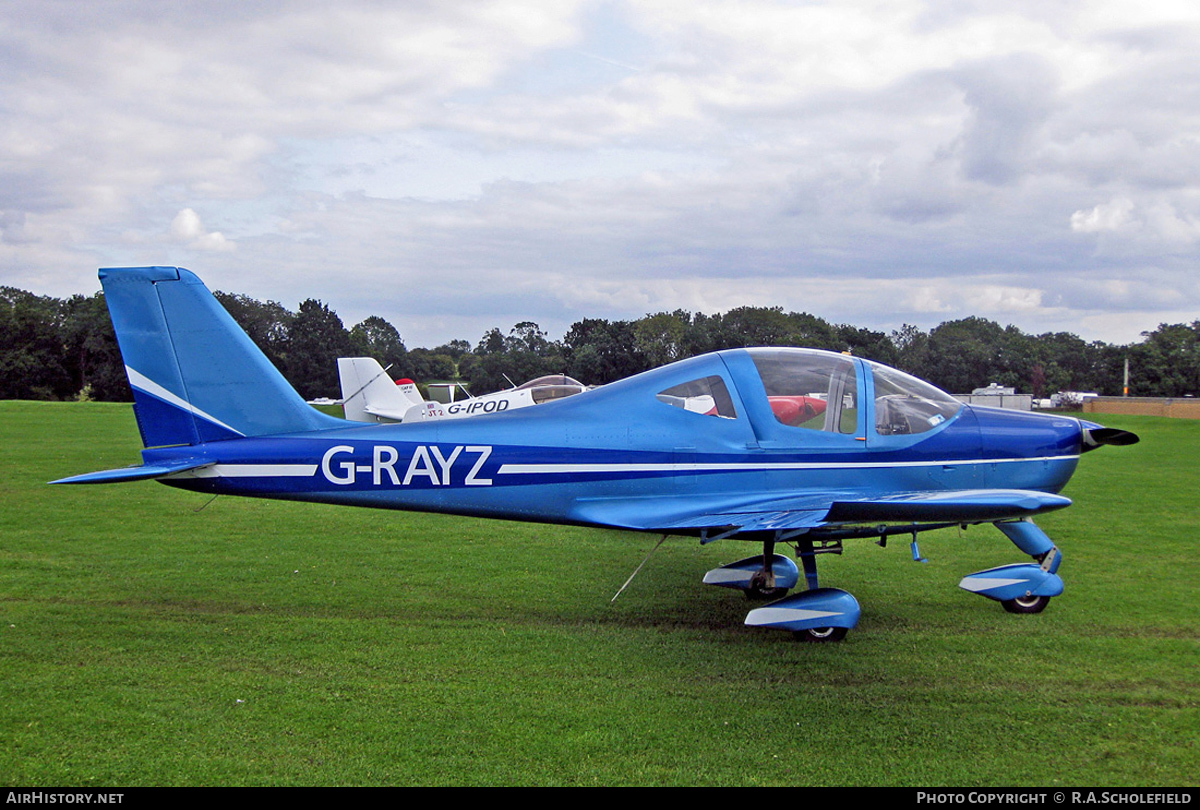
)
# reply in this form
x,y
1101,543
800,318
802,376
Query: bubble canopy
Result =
x,y
823,391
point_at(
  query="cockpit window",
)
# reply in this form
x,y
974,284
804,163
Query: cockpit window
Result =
x,y
708,396
551,379
545,393
810,389
904,404
552,386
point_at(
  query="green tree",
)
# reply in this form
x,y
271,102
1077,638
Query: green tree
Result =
x,y
503,361
375,337
1060,361
661,337
492,342
455,348
756,326
1167,362
90,351
31,361
912,349
427,366
974,352
867,343
598,351
811,332
317,339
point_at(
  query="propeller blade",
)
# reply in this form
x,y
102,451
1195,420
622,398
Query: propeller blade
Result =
x,y
1099,436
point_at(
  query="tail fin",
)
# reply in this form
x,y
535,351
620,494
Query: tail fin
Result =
x,y
369,394
196,376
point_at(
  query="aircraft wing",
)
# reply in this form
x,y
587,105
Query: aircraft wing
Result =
x,y
812,512
950,507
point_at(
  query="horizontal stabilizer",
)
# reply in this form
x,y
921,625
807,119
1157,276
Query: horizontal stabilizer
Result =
x,y
383,414
140,473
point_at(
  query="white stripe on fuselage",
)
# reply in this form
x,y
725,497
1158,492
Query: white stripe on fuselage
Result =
x,y
226,470
254,471
569,469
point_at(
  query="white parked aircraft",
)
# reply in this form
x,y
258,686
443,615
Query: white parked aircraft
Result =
x,y
369,395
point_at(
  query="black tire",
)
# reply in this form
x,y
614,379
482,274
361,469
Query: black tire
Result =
x,y
821,635
1026,604
763,594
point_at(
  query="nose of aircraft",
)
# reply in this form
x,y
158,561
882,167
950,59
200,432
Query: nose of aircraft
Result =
x,y
1018,434
1028,433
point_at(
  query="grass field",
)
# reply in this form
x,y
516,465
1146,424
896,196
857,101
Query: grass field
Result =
x,y
149,637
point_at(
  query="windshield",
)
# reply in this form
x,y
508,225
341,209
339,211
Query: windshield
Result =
x,y
905,404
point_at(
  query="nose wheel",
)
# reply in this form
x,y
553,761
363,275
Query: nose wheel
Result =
x,y
1025,587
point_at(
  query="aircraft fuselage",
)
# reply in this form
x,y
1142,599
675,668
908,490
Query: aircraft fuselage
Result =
x,y
617,456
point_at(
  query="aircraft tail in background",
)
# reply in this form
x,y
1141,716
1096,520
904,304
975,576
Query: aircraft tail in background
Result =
x,y
368,393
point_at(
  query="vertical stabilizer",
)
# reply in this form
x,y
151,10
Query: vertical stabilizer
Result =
x,y
368,393
196,376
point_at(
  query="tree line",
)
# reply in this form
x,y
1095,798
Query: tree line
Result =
x,y
57,349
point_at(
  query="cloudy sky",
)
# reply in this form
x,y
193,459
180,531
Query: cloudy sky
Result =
x,y
454,166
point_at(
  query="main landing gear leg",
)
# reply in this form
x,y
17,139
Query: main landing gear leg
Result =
x,y
808,558
817,615
1024,587
764,584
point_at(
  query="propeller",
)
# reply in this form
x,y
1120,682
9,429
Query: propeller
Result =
x,y
1096,436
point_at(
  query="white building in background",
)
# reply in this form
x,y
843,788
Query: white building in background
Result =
x,y
998,396
1072,399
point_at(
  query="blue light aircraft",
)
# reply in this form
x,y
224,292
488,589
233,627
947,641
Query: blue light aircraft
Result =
x,y
776,446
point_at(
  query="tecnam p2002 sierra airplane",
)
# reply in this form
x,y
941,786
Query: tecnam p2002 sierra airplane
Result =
x,y
775,446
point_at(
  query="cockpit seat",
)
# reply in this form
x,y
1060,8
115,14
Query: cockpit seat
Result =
x,y
796,410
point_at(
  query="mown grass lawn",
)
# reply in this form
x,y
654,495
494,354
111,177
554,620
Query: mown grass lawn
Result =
x,y
150,637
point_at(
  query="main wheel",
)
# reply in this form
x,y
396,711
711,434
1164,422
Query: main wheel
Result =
x,y
821,635
757,594
1026,604
758,590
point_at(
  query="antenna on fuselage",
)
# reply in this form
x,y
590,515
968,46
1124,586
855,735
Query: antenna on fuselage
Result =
x,y
639,568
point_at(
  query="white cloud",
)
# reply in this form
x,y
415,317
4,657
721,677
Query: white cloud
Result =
x,y
1108,216
188,229
1169,225
869,161
1003,299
